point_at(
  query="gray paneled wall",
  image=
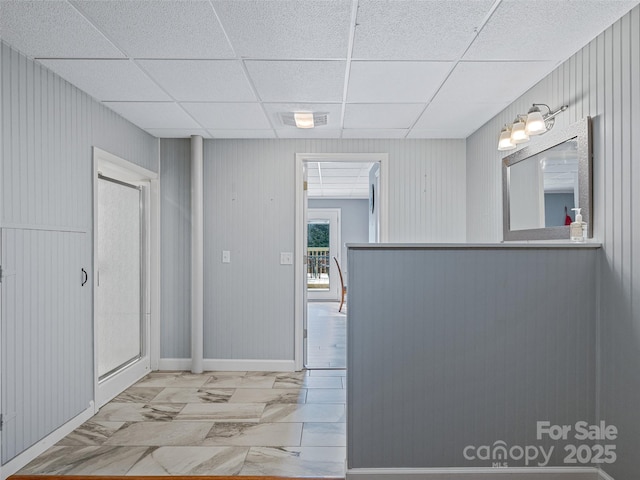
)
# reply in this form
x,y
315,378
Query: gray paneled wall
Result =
x,y
48,128
466,346
175,189
602,80
249,210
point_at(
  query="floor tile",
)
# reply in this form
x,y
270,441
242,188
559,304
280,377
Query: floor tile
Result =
x,y
309,382
85,461
255,434
222,412
269,395
173,379
326,395
191,461
324,435
192,395
303,413
91,432
139,412
241,381
318,372
137,395
161,434
295,461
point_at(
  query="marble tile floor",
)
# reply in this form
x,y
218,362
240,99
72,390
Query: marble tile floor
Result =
x,y
217,423
326,335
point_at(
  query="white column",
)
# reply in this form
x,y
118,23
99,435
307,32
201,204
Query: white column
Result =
x,y
197,254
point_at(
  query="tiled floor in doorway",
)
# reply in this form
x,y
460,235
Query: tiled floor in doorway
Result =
x,y
326,335
216,423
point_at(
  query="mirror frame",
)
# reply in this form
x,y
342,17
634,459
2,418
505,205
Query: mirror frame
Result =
x,y
582,132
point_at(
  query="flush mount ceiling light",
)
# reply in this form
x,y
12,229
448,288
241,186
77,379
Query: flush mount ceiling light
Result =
x,y
524,126
304,119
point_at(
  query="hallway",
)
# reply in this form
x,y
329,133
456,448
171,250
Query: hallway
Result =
x,y
326,335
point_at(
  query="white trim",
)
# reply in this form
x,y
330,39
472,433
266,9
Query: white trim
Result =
x,y
474,473
602,475
54,437
113,386
229,365
299,258
113,166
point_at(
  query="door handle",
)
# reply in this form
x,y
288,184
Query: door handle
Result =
x,y
85,277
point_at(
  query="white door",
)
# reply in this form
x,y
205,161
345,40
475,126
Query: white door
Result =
x,y
323,243
120,288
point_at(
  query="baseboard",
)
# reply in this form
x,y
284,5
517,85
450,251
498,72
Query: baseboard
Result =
x,y
54,437
482,473
226,365
602,475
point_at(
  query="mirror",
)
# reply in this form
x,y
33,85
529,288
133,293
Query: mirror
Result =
x,y
541,183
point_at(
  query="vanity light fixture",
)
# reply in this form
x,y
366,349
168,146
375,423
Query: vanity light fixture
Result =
x,y
524,126
505,142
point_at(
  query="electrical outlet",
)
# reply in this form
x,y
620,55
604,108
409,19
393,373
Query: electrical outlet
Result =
x,y
286,258
226,256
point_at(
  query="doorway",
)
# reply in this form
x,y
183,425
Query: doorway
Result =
x,y
125,251
323,243
303,328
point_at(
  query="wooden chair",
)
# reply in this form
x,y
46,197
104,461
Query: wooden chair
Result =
x,y
343,287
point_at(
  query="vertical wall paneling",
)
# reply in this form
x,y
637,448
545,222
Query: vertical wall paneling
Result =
x,y
439,363
249,210
602,81
48,128
46,336
175,327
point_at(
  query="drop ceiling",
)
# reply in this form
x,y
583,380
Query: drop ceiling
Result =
x,y
379,69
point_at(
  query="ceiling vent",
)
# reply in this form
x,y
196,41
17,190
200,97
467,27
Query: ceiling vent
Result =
x,y
319,118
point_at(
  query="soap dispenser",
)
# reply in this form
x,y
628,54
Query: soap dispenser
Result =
x,y
578,229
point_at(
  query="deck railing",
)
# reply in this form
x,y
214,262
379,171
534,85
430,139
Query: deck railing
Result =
x,y
318,263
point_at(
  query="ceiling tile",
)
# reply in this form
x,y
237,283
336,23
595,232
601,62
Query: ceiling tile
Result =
x,y
492,82
177,132
333,111
53,30
374,133
388,116
546,37
416,30
298,81
232,116
434,134
145,29
287,28
319,132
201,80
443,114
379,82
154,115
242,133
110,80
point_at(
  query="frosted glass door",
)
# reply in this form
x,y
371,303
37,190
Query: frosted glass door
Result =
x,y
118,290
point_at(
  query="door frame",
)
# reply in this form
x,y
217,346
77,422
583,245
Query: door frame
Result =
x,y
112,166
334,290
300,264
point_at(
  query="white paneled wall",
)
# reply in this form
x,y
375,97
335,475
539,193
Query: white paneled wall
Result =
x,y
603,81
249,210
48,129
